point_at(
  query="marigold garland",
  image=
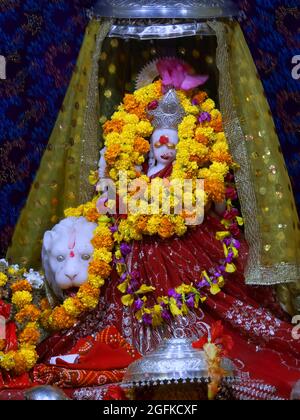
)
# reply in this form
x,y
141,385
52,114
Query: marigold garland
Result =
x,y
202,152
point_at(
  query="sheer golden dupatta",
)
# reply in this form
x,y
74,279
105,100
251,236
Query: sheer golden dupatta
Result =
x,y
72,151
271,221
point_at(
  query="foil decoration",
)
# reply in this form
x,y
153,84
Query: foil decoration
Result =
x,y
165,9
295,395
146,31
45,393
175,360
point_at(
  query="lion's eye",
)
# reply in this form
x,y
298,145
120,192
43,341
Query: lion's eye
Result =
x,y
85,257
60,258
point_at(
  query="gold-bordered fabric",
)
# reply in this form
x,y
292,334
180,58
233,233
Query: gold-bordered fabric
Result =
x,y
271,222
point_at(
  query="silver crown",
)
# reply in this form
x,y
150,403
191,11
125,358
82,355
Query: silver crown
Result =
x,y
169,113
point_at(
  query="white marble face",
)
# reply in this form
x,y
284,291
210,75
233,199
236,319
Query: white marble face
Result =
x,y
67,252
164,143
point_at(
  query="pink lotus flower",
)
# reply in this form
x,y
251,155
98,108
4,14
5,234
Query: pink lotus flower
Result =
x,y
179,75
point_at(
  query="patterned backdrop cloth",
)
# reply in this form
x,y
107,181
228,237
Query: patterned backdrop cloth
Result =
x,y
41,40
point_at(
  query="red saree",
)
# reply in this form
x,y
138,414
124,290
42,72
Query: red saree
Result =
x,y
264,349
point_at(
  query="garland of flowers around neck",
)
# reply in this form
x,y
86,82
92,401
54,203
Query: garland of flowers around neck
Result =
x,y
202,152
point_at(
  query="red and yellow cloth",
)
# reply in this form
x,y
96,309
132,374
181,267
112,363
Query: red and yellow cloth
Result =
x,y
102,359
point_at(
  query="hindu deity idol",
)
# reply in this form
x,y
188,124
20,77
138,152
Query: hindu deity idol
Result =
x,y
159,277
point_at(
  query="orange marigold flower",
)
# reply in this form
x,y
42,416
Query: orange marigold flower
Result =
x,y
30,335
198,159
44,304
92,215
2,345
141,223
45,319
87,289
28,313
103,242
132,106
166,228
200,97
158,88
20,364
217,124
112,153
100,268
60,320
141,145
215,189
21,286
224,157
201,138
113,126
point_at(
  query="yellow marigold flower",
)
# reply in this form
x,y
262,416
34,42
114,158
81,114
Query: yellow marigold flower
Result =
x,y
218,170
180,226
74,212
102,254
208,105
12,271
186,129
7,361
112,138
93,177
21,299
73,307
96,281
3,279
30,355
144,128
89,296
21,285
149,93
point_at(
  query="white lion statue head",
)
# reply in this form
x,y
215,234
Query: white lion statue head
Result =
x,y
66,254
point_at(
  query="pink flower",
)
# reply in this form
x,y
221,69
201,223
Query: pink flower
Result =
x,y
178,74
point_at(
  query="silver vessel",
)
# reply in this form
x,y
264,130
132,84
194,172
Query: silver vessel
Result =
x,y
174,361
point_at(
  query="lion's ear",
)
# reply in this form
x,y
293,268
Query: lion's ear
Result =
x,y
48,240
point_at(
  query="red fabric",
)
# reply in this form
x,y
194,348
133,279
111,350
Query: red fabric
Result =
x,y
75,378
115,393
262,335
102,359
